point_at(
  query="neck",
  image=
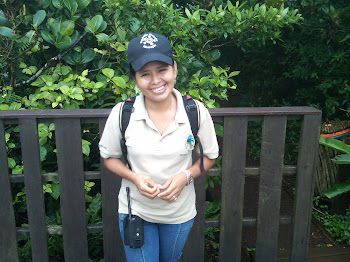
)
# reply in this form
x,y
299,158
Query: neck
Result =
x,y
159,106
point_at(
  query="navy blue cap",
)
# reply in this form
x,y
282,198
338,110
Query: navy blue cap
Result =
x,y
149,47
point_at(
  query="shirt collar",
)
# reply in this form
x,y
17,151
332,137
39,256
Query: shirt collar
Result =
x,y
140,111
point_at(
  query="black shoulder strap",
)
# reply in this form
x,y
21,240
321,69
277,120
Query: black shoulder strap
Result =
x,y
193,117
126,110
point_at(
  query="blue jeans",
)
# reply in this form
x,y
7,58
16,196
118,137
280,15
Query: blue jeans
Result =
x,y
163,242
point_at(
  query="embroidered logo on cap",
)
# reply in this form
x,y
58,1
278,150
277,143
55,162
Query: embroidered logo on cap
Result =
x,y
148,41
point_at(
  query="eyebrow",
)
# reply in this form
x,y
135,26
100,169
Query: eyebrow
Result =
x,y
158,67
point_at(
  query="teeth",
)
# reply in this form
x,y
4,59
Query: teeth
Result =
x,y
158,89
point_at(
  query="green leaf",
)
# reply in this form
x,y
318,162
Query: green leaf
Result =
x,y
239,16
219,129
87,56
64,89
11,163
85,147
78,97
3,20
39,18
5,31
205,93
57,4
335,144
62,27
188,13
55,190
102,37
342,159
71,5
48,37
215,54
108,72
83,3
234,73
194,93
338,189
43,153
119,81
67,28
94,24
64,43
102,27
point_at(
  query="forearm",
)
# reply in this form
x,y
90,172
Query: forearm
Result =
x,y
117,166
195,168
144,183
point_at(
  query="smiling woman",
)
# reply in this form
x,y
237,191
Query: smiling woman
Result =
x,y
162,196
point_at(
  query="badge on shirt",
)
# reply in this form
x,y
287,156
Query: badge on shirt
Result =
x,y
190,142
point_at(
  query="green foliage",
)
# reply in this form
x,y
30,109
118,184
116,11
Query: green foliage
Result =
x,y
343,187
65,29
336,224
309,67
212,210
53,217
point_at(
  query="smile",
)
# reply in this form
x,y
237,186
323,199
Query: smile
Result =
x,y
158,89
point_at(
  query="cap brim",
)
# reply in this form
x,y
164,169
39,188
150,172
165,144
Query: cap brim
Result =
x,y
143,60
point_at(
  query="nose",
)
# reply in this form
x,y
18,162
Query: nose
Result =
x,y
155,78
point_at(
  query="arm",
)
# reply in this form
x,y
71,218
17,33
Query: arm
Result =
x,y
174,185
144,183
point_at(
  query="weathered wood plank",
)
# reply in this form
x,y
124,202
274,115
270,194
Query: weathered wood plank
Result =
x,y
271,171
34,188
215,112
232,190
71,182
194,248
110,184
8,239
308,149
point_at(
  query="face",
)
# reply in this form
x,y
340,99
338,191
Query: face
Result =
x,y
156,80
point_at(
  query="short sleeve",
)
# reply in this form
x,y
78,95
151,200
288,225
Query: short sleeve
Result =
x,y
206,133
109,144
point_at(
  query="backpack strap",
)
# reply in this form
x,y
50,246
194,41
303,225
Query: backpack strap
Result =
x,y
125,113
192,112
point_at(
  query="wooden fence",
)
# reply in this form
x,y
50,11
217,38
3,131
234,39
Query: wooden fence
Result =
x,y
71,175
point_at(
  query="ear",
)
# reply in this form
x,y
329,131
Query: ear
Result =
x,y
175,69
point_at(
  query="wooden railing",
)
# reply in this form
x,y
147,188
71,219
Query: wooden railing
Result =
x,y
71,176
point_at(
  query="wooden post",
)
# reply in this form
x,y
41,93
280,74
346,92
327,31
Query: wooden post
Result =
x,y
304,192
72,194
110,185
271,167
34,188
8,239
232,191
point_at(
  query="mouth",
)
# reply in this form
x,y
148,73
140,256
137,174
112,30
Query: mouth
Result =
x,y
158,89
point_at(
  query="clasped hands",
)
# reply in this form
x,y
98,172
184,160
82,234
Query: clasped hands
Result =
x,y
169,191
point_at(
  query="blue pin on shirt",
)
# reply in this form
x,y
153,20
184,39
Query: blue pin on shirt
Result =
x,y
190,142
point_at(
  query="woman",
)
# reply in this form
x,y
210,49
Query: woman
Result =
x,y
159,153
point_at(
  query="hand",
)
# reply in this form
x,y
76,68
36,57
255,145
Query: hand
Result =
x,y
146,186
173,187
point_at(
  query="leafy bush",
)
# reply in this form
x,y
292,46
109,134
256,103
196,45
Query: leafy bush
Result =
x,y
336,224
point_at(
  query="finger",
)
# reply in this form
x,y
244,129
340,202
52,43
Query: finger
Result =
x,y
166,184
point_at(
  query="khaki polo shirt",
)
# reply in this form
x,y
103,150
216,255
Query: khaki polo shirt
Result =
x,y
158,156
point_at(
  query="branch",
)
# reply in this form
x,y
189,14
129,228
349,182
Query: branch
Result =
x,y
49,63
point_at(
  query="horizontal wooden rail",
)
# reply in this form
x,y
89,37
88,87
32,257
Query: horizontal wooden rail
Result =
x,y
93,175
215,112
